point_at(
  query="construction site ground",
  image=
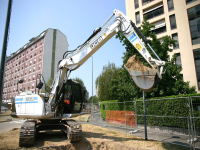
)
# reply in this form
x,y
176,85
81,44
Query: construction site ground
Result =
x,y
94,138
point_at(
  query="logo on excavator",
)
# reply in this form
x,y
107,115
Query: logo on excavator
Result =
x,y
93,45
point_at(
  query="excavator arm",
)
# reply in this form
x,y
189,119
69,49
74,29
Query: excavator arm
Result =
x,y
146,80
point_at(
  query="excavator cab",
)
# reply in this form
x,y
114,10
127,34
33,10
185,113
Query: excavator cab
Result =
x,y
72,97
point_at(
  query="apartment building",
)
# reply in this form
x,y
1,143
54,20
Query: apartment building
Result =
x,y
39,56
179,19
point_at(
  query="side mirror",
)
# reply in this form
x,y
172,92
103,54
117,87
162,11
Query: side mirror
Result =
x,y
39,85
20,81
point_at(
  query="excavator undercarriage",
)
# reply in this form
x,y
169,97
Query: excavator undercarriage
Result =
x,y
30,129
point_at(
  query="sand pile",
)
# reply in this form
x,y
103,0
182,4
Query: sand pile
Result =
x,y
134,64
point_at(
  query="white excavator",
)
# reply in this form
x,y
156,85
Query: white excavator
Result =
x,y
53,110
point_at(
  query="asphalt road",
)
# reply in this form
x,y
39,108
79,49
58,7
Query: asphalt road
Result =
x,y
7,126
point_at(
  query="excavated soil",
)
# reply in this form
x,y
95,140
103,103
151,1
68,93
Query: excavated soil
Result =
x,y
135,64
94,138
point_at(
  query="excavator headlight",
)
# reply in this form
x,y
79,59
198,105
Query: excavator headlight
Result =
x,y
67,102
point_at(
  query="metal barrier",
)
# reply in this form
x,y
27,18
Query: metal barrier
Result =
x,y
183,128
169,134
195,120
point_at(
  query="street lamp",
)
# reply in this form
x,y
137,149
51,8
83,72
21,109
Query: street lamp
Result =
x,y
92,87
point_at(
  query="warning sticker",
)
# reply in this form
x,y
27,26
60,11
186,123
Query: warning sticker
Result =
x,y
133,38
138,46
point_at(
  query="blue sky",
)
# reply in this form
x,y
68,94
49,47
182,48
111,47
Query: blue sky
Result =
x,y
75,18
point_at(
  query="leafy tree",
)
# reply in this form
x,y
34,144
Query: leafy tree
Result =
x,y
83,88
95,99
172,83
48,83
109,72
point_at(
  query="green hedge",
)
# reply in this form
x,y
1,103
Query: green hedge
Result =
x,y
168,106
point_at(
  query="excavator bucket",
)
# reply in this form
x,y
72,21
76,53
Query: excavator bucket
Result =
x,y
144,77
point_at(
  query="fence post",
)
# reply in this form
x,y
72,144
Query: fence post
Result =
x,y
193,116
189,132
145,125
191,124
125,124
135,114
105,110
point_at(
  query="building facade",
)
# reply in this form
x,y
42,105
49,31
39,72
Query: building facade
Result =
x,y
39,56
181,21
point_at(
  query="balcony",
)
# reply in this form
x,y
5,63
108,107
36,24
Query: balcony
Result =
x,y
144,2
154,13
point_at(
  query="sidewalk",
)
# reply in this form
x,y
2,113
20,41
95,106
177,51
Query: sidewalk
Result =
x,y
5,117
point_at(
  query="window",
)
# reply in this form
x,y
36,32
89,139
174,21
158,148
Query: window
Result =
x,y
144,2
137,17
194,21
197,65
35,45
40,58
136,4
40,49
31,47
189,1
41,42
35,52
175,37
154,11
160,27
172,21
159,30
178,60
33,77
170,5
30,70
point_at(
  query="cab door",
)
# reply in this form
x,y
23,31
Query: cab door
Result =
x,y
72,94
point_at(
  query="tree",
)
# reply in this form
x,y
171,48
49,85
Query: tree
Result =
x,y
83,88
95,99
48,83
102,82
172,82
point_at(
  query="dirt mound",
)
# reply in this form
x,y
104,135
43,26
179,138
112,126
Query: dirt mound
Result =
x,y
135,64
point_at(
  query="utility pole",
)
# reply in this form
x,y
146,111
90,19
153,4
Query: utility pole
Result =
x,y
4,47
92,89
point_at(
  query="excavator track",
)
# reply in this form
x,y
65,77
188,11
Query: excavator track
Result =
x,y
75,131
27,134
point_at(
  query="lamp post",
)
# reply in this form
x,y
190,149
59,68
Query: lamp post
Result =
x,y
92,87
